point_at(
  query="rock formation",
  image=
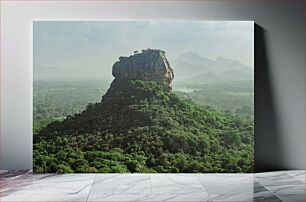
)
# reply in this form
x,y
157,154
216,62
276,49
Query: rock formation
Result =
x,y
149,65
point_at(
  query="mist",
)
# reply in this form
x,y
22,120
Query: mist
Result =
x,y
87,50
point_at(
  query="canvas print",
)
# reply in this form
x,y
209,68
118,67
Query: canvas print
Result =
x,y
143,96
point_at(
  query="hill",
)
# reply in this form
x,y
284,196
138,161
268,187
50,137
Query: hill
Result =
x,y
142,126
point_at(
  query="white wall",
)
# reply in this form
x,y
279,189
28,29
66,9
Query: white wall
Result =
x,y
280,89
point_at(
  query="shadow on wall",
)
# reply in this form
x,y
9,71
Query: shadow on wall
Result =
x,y
267,135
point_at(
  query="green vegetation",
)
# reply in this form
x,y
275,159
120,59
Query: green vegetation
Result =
x,y
54,101
237,97
143,128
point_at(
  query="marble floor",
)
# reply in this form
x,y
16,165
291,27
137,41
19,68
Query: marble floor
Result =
x,y
271,186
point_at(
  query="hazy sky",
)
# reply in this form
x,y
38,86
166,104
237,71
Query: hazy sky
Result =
x,y
96,45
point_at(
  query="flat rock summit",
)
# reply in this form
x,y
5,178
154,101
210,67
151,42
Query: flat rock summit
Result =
x,y
147,65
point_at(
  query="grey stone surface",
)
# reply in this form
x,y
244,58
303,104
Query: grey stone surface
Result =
x,y
148,65
275,186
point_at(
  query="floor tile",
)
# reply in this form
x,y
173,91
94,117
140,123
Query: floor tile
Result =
x,y
48,184
298,175
150,198
260,189
121,184
216,184
286,186
175,184
266,198
282,183
11,173
292,197
245,198
15,180
277,175
43,198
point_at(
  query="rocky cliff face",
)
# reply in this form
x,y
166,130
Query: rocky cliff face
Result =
x,y
149,65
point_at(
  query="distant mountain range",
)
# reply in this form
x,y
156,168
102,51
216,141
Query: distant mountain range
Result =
x,y
191,66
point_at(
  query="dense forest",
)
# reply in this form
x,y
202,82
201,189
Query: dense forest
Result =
x,y
55,100
142,128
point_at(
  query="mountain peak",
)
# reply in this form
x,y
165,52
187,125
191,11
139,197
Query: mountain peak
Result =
x,y
230,62
147,65
220,58
191,55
